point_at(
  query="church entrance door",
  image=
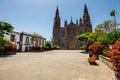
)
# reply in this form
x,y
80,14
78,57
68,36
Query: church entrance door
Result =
x,y
71,47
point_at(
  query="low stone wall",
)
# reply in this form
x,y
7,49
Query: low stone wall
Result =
x,y
105,60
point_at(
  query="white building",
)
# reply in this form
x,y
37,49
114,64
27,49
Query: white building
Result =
x,y
38,42
23,40
13,37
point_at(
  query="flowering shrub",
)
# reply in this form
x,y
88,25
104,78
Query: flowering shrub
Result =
x,y
10,48
10,43
2,43
114,55
105,52
48,44
36,48
56,47
46,47
97,48
83,47
1,49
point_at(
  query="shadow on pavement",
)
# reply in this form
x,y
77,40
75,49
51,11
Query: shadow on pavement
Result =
x,y
84,52
4,56
94,64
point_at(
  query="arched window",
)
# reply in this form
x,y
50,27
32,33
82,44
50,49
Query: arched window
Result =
x,y
36,42
27,40
32,42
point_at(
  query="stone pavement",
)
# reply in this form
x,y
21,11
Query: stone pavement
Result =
x,y
52,65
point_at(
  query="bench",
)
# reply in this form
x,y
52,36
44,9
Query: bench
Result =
x,y
92,59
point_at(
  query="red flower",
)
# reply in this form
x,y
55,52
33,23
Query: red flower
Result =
x,y
10,48
114,55
96,48
36,48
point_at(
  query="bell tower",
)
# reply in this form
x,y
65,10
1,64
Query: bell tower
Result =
x,y
56,28
86,20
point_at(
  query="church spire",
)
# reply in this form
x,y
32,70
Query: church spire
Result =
x,y
81,21
57,12
56,28
77,22
86,17
86,20
57,18
85,9
65,23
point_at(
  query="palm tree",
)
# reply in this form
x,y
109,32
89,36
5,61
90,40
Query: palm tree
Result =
x,y
106,27
36,36
113,13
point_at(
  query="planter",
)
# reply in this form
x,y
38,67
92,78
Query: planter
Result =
x,y
90,55
117,75
105,60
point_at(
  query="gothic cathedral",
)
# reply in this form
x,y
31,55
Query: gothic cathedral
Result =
x,y
65,36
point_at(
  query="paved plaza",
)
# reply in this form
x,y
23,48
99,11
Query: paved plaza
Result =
x,y
52,65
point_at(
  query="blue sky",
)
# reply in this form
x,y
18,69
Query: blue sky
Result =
x,y
38,15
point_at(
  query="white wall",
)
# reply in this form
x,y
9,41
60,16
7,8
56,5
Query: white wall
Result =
x,y
7,37
17,38
23,43
38,43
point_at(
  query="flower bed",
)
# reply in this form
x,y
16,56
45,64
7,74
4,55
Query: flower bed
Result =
x,y
45,48
114,54
9,50
96,49
35,48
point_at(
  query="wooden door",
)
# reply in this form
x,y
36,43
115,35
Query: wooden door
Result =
x,y
72,47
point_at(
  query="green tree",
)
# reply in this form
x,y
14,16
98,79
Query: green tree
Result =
x,y
114,36
48,44
89,37
103,39
35,36
93,37
5,28
83,37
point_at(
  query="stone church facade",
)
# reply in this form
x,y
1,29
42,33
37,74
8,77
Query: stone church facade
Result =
x,y
65,36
